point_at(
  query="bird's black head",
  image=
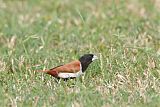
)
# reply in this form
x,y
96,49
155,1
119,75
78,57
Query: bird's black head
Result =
x,y
86,60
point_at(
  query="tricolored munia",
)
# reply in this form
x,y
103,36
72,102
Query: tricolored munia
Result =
x,y
73,69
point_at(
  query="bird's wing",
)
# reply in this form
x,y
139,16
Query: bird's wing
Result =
x,y
71,67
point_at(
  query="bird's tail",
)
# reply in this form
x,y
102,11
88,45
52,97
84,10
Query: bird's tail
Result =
x,y
50,72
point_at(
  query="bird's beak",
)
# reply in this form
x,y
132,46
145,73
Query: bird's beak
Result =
x,y
94,58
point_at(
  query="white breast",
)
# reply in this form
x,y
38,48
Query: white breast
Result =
x,y
71,75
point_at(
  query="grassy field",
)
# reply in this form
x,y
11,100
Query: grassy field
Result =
x,y
41,34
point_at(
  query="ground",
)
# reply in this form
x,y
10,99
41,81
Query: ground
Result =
x,y
40,34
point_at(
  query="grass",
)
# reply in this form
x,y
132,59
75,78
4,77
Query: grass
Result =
x,y
39,34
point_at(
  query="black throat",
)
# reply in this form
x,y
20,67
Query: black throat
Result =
x,y
85,61
84,65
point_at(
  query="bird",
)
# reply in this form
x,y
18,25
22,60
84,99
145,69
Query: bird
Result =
x,y
72,69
